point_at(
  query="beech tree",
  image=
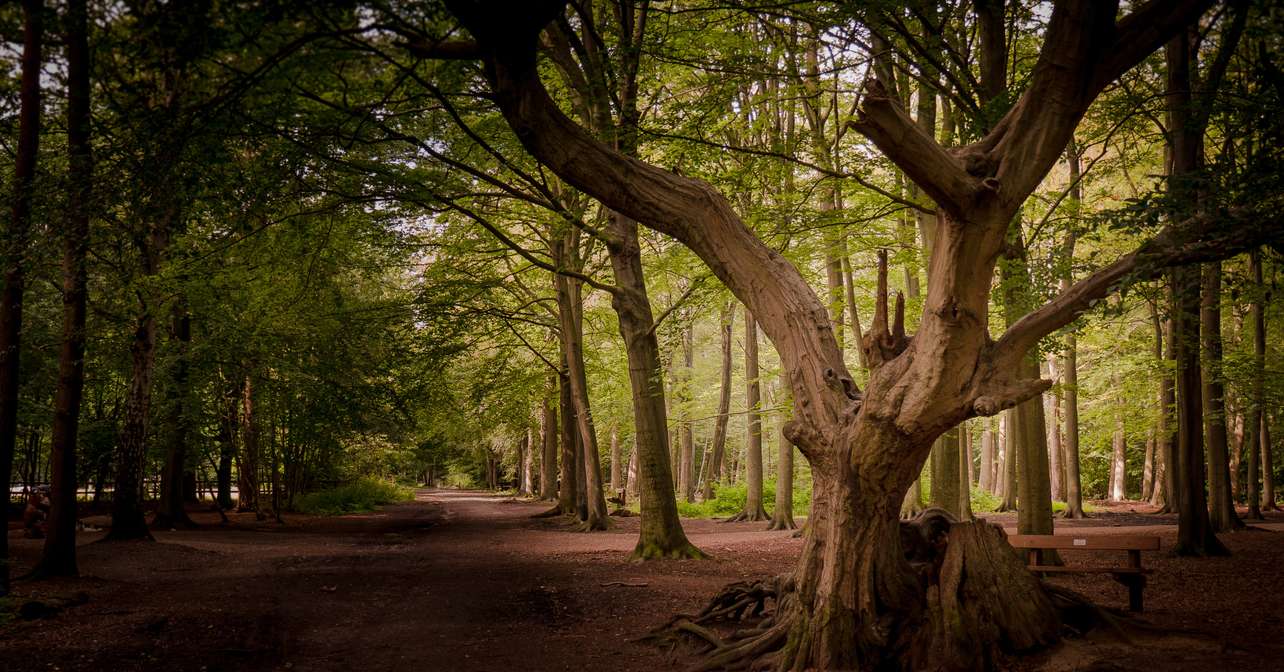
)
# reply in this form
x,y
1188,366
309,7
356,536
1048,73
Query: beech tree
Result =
x,y
852,602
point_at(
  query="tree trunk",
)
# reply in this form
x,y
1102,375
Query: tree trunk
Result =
x,y
1194,530
59,557
548,428
229,419
1070,373
686,468
1253,421
16,252
249,461
1268,469
1056,453
127,520
945,472
753,446
568,491
714,474
1118,444
617,469
660,528
987,459
570,305
1148,470
965,477
1223,516
170,512
1008,468
782,515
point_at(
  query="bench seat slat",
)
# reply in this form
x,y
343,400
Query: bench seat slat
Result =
x,y
1087,543
1051,569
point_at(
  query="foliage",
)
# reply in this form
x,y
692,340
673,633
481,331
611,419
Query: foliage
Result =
x,y
357,497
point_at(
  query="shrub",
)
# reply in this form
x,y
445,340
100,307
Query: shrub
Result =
x,y
362,495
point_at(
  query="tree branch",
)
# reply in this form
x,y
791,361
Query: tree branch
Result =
x,y
1205,237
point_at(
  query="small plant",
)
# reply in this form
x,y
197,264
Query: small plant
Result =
x,y
359,496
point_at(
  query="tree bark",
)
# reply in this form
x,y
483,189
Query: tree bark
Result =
x,y
782,515
753,445
660,529
16,251
170,511
617,469
568,484
987,459
1223,516
714,475
548,428
686,464
1056,453
127,521
1253,421
1118,473
59,556
964,489
249,461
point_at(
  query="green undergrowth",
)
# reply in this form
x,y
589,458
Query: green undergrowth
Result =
x,y
356,497
728,500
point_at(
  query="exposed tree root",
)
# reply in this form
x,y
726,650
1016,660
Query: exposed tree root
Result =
x,y
782,523
551,513
747,515
980,607
622,513
651,551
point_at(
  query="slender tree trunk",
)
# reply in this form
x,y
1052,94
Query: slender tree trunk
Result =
x,y
1118,445
59,558
548,442
170,512
1148,470
1253,421
753,446
965,476
1056,453
782,516
1070,373
227,421
1268,469
567,491
686,470
945,472
987,459
714,475
617,469
250,459
1223,516
15,254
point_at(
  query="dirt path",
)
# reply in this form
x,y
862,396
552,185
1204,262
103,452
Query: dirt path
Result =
x,y
468,581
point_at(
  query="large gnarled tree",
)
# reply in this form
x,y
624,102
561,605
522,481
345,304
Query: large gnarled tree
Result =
x,y
854,602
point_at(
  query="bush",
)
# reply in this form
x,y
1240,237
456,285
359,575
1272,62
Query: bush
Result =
x,y
460,480
356,497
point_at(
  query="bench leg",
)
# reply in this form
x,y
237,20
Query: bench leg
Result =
x,y
1136,584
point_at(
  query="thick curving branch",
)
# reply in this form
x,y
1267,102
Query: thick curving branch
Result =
x,y
689,210
1205,237
941,175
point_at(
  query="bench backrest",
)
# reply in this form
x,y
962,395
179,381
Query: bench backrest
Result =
x,y
1087,543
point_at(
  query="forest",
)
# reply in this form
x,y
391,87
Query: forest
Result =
x,y
723,334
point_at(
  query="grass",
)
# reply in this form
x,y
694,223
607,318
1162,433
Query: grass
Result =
x,y
356,497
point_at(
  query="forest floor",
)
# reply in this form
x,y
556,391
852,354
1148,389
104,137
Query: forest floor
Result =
x,y
460,580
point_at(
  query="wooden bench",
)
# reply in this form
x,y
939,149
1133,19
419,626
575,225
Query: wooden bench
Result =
x,y
1131,575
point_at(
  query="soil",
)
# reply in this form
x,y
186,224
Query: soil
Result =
x,y
460,580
